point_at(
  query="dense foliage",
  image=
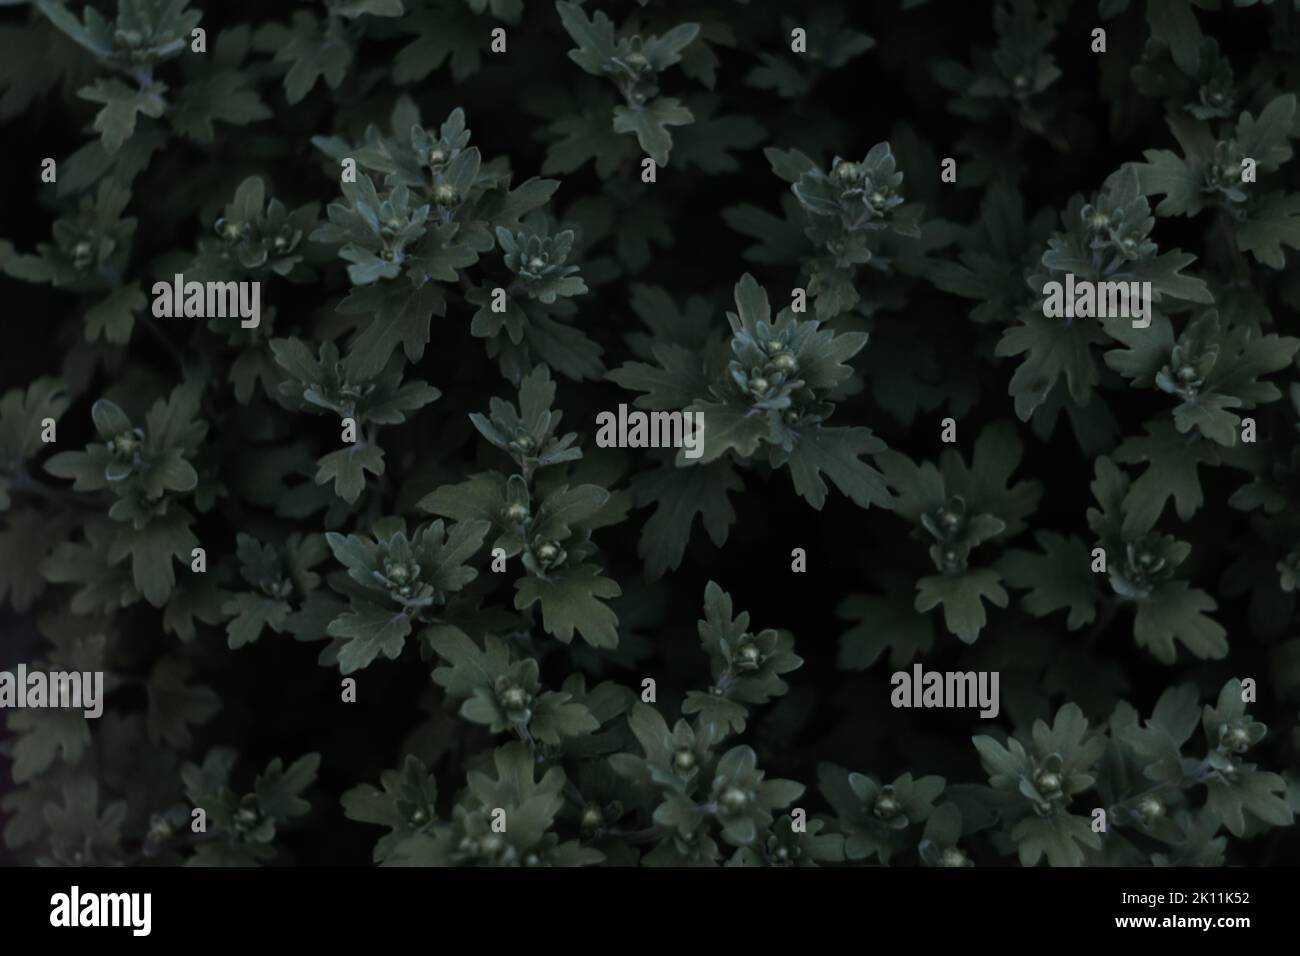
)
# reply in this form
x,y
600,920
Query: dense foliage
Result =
x,y
363,583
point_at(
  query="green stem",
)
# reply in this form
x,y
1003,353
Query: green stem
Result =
x,y
1110,607
164,341
25,483
648,835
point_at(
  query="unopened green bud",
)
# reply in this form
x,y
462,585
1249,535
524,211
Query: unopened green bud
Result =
x,y
734,800
886,807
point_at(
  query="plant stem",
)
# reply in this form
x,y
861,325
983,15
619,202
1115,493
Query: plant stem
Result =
x,y
164,341
24,482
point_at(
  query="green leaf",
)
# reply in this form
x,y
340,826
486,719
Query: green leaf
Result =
x,y
594,36
837,452
674,383
114,317
480,498
252,612
1174,24
43,735
175,703
728,427
116,121
407,804
665,49
152,550
95,35
22,415
884,622
1052,348
347,467
26,537
1059,578
1172,460
369,632
1060,837
1265,140
530,805
279,791
76,821
571,601
1250,791
580,137
1168,174
1175,612
312,53
401,317
375,8
557,716
565,508
962,597
196,598
715,710
469,668
650,124
1273,222
226,97
679,495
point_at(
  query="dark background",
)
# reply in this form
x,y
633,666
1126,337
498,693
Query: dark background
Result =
x,y
273,691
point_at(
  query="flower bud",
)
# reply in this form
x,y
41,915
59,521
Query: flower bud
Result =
x,y
1049,783
749,657
733,800
886,807
1150,808
952,857
514,698
1237,739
